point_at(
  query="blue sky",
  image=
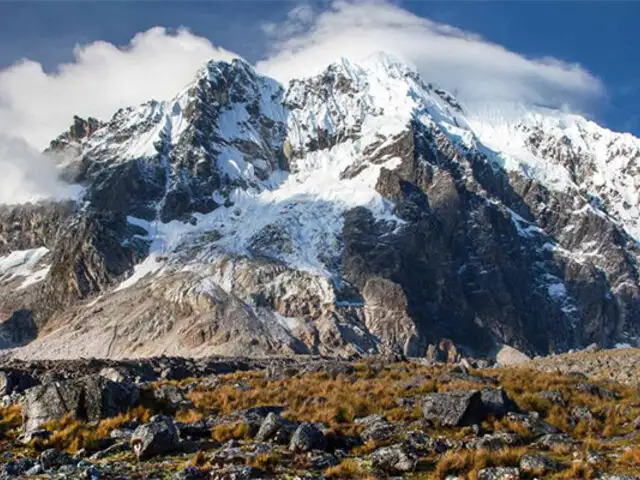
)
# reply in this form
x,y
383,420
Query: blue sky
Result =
x,y
600,36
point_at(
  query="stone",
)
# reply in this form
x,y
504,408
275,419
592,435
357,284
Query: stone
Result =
x,y
499,473
419,443
378,431
553,440
276,428
91,398
508,356
15,381
307,437
157,437
190,473
52,458
496,441
28,437
169,398
322,460
454,409
497,402
536,464
595,390
393,459
581,413
532,421
554,397
16,467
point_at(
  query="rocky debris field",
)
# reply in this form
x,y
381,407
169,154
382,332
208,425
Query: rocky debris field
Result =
x,y
313,418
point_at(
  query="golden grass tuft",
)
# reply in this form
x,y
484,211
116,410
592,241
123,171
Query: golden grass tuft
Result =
x,y
230,431
348,468
10,421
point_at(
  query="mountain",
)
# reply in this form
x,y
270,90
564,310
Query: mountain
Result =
x,y
361,210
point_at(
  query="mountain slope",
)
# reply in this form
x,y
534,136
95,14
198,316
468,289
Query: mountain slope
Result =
x,y
360,210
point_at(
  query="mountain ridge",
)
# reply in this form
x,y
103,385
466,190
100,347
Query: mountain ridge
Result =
x,y
359,210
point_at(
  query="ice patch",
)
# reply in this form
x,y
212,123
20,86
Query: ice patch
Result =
x,y
22,263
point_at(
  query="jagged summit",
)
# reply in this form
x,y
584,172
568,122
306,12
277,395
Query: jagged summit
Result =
x,y
358,210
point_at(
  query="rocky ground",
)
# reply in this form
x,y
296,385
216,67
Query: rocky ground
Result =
x,y
313,418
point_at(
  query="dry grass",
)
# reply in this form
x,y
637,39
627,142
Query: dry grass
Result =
x,y
189,416
470,462
630,458
348,468
230,431
318,398
578,470
266,462
70,434
10,421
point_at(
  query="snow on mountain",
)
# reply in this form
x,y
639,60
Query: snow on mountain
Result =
x,y
355,210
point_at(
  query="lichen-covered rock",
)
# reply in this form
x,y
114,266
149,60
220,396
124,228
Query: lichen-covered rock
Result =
x,y
157,437
52,458
538,464
307,437
454,409
91,398
276,428
497,402
499,473
394,459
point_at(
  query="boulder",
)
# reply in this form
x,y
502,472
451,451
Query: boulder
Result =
x,y
554,397
307,437
496,441
509,356
157,437
276,428
595,390
89,398
499,473
497,402
169,398
393,459
536,464
52,458
15,381
454,409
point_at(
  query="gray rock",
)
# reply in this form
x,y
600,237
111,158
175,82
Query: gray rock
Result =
x,y
35,470
121,434
499,473
190,473
276,428
581,413
496,441
554,397
454,409
91,398
28,437
378,431
554,440
592,389
509,356
155,438
52,458
394,459
537,464
15,381
169,398
532,421
307,437
322,460
16,467
497,402
419,443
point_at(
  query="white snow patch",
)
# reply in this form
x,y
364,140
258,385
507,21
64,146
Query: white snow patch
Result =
x,y
22,263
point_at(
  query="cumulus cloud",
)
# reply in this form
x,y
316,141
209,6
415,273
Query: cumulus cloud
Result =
x,y
37,106
461,62
28,175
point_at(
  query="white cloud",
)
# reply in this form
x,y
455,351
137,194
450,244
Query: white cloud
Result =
x,y
28,175
37,106
461,62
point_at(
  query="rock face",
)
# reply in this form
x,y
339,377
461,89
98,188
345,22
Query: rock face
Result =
x,y
358,211
91,398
